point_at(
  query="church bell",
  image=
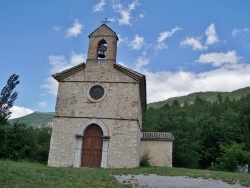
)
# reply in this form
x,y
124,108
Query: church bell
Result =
x,y
102,51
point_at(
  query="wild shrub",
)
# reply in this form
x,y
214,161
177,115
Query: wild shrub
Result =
x,y
145,160
232,156
24,142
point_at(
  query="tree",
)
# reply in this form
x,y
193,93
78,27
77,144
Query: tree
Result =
x,y
233,155
7,98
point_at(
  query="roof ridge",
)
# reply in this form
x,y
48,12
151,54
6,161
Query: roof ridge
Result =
x,y
133,74
157,136
100,27
64,74
139,78
139,74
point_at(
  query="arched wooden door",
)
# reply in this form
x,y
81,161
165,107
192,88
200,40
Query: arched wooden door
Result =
x,y
92,147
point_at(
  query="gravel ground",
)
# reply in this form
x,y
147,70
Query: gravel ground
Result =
x,y
155,181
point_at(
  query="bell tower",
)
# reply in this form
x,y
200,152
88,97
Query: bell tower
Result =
x,y
102,44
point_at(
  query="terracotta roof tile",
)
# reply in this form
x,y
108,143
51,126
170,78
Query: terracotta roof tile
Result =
x,y
157,136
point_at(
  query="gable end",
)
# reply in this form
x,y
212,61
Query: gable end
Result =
x,y
68,72
139,78
104,25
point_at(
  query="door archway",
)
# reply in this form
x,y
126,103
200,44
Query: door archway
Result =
x,y
92,147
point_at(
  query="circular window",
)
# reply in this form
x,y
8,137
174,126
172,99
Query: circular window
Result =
x,y
96,93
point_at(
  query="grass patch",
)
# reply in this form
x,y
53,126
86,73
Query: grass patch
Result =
x,y
24,174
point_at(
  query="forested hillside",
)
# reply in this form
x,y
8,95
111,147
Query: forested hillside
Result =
x,y
208,96
35,118
206,133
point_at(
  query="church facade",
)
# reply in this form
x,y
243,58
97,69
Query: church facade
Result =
x,y
98,115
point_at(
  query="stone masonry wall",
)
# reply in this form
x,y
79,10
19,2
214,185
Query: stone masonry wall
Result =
x,y
100,71
120,111
111,39
121,101
124,143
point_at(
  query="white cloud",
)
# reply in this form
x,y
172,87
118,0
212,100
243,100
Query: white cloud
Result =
x,y
236,32
137,43
195,43
19,112
121,39
198,44
163,85
218,59
164,35
57,28
99,6
141,62
76,59
51,86
141,16
161,45
123,64
124,13
75,30
212,37
42,104
133,5
58,64
125,20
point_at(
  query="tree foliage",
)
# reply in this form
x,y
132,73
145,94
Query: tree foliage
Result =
x,y
202,128
7,98
233,155
25,142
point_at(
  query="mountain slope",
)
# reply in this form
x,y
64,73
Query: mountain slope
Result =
x,y
209,96
36,118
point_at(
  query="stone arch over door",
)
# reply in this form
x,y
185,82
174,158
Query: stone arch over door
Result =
x,y
92,147
79,142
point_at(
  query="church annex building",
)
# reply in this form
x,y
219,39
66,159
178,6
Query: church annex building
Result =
x,y
98,115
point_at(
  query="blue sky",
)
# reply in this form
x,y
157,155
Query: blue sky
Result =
x,y
181,46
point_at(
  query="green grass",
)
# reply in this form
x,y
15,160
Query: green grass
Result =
x,y
24,174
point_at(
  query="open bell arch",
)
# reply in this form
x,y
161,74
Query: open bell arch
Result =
x,y
102,49
102,36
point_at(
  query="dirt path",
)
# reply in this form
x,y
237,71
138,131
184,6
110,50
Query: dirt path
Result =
x,y
155,181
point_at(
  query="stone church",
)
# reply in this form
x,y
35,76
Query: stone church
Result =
x,y
98,115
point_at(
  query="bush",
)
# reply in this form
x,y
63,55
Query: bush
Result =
x,y
145,160
23,142
233,155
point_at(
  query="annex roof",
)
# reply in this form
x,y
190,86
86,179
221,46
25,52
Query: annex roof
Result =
x,y
157,136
